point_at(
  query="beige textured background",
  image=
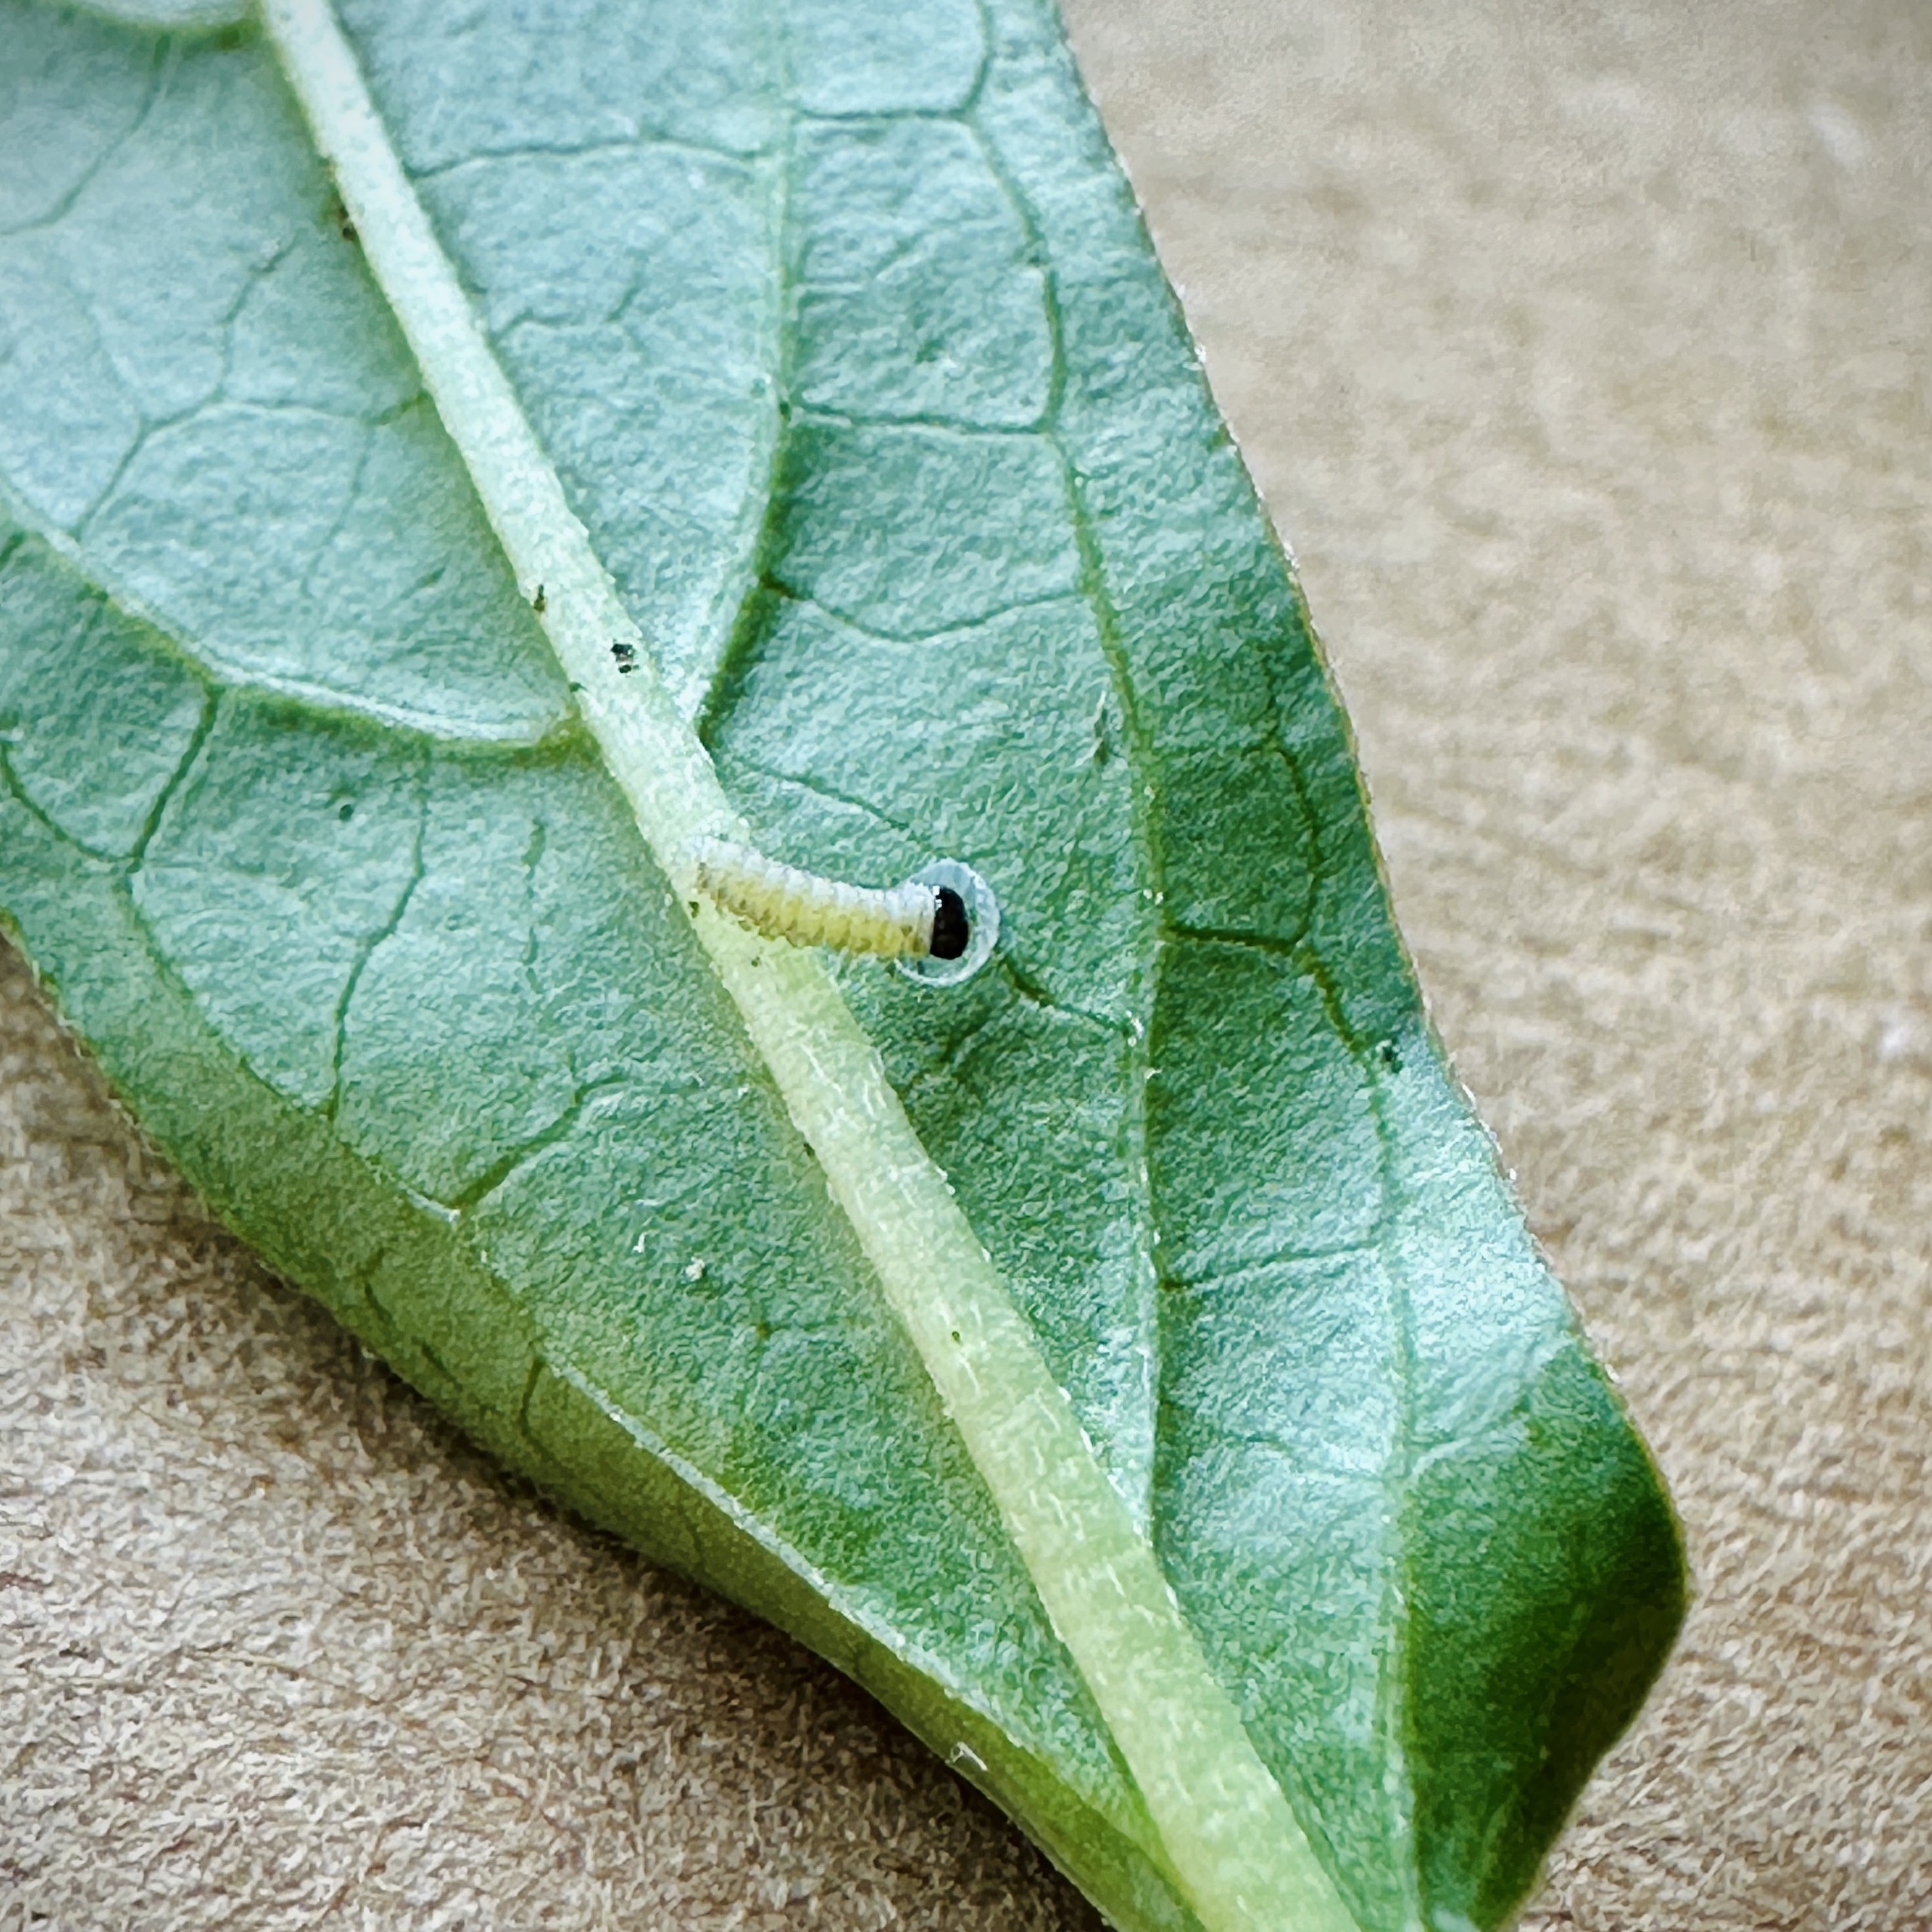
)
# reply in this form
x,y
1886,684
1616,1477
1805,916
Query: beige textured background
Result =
x,y
1583,353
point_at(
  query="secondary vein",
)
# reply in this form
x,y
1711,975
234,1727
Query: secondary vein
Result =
x,y
1227,1830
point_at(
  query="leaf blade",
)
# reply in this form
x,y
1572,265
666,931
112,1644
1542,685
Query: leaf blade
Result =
x,y
1165,630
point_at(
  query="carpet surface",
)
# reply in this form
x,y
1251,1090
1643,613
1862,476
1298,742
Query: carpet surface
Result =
x,y
1583,356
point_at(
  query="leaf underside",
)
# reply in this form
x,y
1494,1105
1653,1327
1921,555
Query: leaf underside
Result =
x,y
843,333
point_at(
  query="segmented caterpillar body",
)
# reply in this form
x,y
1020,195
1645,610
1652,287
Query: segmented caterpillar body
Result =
x,y
941,925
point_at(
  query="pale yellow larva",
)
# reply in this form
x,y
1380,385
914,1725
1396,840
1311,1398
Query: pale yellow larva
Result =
x,y
941,925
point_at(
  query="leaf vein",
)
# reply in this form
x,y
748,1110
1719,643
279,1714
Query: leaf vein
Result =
x,y
372,942
1225,1822
1134,1146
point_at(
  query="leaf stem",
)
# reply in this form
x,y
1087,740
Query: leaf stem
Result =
x,y
1227,1833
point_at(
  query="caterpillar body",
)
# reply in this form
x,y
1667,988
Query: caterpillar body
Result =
x,y
941,925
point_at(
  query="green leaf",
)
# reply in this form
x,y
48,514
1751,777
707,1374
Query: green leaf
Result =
x,y
842,336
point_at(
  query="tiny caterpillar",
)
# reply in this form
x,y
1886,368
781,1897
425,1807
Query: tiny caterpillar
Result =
x,y
941,925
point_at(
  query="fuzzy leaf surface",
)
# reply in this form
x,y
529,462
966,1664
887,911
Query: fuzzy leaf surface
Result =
x,y
841,328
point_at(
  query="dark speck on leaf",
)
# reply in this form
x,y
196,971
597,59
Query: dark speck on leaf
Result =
x,y
1388,1056
340,216
627,659
539,603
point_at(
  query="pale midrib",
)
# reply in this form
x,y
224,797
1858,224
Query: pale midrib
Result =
x,y
1227,1832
